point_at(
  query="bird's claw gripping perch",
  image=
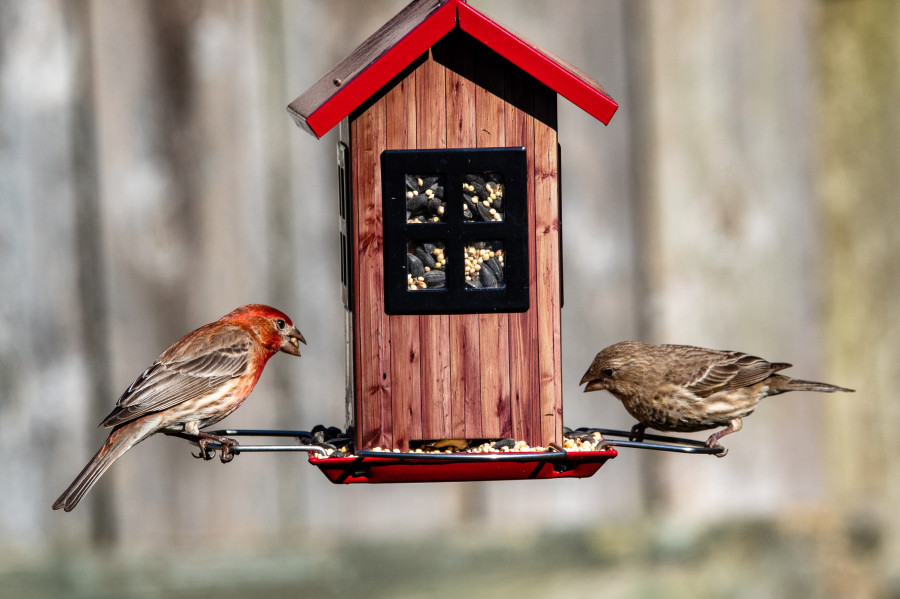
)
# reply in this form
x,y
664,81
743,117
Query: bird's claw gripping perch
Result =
x,y
723,451
637,432
226,453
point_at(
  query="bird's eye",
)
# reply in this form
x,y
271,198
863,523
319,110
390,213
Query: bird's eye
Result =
x,y
280,323
607,372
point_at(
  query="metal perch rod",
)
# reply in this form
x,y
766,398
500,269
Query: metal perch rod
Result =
x,y
656,442
611,438
267,433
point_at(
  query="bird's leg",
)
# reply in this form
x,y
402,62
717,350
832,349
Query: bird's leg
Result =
x,y
203,439
734,425
225,445
194,437
637,432
205,452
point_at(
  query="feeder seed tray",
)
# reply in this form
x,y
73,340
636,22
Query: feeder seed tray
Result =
x,y
368,466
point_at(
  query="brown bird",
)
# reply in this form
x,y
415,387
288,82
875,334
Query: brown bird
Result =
x,y
202,378
681,388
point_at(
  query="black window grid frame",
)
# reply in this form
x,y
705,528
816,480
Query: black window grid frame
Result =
x,y
454,231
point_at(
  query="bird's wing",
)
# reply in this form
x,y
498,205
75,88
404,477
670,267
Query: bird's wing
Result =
x,y
705,371
187,370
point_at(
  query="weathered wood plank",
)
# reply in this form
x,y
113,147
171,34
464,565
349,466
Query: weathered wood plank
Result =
x,y
436,393
431,105
406,386
374,367
431,132
464,330
524,396
857,183
546,181
490,128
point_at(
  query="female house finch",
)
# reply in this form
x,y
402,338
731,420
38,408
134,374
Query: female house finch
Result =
x,y
685,389
202,378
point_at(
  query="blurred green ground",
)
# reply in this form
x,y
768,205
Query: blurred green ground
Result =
x,y
810,555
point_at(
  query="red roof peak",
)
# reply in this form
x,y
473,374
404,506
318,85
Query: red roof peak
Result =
x,y
407,36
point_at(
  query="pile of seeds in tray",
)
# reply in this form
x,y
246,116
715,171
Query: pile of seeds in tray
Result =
x,y
582,439
483,197
424,199
425,264
334,441
338,444
505,446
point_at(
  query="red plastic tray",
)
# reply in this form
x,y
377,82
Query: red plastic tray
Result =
x,y
383,467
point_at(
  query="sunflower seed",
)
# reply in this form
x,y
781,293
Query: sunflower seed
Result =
x,y
414,266
435,279
415,204
504,443
488,279
484,212
494,266
474,179
425,257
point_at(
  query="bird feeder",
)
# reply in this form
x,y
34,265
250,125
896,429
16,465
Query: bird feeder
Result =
x,y
450,214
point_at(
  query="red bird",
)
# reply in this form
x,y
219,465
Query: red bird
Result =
x,y
202,378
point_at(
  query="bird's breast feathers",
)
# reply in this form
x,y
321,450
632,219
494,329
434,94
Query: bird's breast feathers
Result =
x,y
675,408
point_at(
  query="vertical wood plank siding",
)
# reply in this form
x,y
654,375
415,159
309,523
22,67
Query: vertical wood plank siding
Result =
x,y
406,380
465,347
490,128
547,259
372,334
523,347
431,110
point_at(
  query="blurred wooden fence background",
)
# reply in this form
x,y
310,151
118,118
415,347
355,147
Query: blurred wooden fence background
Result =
x,y
745,196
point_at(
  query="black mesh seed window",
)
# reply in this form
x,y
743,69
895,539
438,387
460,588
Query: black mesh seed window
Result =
x,y
455,231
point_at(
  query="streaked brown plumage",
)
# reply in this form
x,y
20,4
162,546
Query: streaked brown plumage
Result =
x,y
681,388
199,380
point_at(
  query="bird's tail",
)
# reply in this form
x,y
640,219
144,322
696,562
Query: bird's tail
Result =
x,y
119,441
786,383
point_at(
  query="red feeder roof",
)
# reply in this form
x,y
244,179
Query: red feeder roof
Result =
x,y
413,31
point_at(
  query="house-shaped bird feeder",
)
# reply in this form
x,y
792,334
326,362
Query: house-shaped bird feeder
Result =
x,y
450,243
450,214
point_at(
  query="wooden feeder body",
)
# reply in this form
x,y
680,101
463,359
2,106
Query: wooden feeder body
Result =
x,y
480,374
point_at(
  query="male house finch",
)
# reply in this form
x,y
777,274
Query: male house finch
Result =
x,y
202,378
683,388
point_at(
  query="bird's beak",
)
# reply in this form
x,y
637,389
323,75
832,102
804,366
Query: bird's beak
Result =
x,y
292,341
593,384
